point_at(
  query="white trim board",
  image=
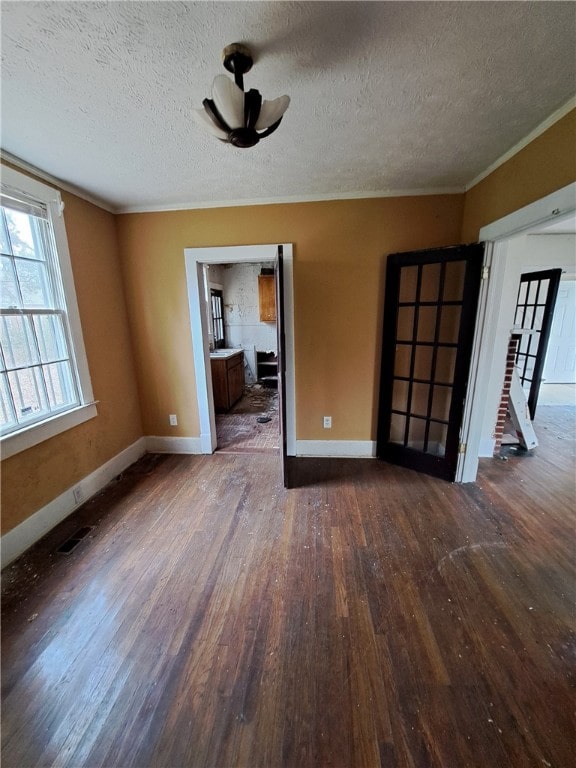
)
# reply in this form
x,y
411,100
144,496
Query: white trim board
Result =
x,y
19,539
341,449
195,205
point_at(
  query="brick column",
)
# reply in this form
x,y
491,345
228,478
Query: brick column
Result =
x,y
505,397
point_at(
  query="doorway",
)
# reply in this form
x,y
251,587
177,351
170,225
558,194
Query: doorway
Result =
x,y
506,240
243,343
195,260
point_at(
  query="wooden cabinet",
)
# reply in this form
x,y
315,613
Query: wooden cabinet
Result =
x,y
267,298
227,380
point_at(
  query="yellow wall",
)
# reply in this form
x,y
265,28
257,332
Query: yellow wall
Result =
x,y
545,165
35,477
339,256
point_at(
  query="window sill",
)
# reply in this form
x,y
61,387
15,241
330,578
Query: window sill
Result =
x,y
26,438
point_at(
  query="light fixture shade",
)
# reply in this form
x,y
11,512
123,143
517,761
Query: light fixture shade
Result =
x,y
229,100
204,120
234,116
271,112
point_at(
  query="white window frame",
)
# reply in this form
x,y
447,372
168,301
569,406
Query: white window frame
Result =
x,y
33,434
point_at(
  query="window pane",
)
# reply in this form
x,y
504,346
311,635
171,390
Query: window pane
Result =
x,y
397,427
28,393
454,280
60,385
426,323
523,293
430,282
405,323
51,339
441,401
408,283
7,417
533,286
400,395
18,343
402,360
34,284
445,364
8,286
422,362
419,404
21,236
450,325
5,246
437,439
416,434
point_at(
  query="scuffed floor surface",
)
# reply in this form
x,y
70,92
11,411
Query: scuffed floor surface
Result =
x,y
239,430
371,617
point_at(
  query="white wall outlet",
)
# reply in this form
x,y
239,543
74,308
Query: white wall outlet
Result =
x,y
78,494
173,420
327,422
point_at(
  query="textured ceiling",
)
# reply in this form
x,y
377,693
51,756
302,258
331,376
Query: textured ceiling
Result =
x,y
385,95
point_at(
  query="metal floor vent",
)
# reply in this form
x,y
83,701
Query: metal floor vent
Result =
x,y
71,543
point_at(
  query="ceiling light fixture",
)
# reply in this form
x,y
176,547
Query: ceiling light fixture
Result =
x,y
232,115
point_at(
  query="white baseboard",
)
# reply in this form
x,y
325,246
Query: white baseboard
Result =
x,y
357,449
19,539
174,445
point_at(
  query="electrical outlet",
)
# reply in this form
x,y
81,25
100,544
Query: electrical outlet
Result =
x,y
78,495
327,422
173,420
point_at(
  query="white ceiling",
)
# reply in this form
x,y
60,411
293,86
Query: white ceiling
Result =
x,y
386,96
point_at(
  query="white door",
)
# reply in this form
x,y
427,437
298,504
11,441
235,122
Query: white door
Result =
x,y
560,365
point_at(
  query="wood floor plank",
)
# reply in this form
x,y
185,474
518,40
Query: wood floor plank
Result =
x,y
370,617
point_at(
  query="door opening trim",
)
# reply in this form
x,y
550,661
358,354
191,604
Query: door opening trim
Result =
x,y
554,207
195,258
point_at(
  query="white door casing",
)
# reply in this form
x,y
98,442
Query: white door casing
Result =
x,y
488,353
195,258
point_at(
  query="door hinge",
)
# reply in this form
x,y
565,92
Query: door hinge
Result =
x,y
462,448
485,273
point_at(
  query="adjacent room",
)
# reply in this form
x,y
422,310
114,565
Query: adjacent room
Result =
x,y
287,374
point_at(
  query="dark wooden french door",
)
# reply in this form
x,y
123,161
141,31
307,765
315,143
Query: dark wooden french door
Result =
x,y
429,317
533,318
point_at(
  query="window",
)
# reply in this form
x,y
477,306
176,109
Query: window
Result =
x,y
43,370
217,306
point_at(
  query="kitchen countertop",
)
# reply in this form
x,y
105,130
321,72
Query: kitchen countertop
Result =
x,y
224,354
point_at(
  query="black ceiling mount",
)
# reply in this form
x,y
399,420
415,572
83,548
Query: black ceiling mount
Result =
x,y
238,59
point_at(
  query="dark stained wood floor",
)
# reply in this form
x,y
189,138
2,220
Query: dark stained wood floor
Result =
x,y
371,617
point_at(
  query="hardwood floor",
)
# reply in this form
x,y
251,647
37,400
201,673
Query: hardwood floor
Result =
x,y
372,616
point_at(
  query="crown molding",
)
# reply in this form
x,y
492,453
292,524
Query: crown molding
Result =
x,y
539,130
17,162
190,206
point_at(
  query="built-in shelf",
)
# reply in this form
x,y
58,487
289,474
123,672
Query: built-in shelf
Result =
x,y
267,368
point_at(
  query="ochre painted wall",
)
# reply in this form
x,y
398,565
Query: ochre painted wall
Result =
x,y
35,477
545,165
340,249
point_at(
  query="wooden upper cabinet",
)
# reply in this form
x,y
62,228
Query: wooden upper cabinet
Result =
x,y
267,298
